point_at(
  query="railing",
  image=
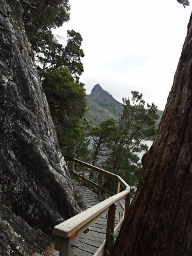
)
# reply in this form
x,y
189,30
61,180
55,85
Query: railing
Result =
x,y
71,228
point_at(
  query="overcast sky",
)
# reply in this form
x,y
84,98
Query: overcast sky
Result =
x,y
130,45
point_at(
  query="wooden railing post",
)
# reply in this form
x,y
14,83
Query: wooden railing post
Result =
x,y
73,166
63,246
110,230
127,204
99,182
118,186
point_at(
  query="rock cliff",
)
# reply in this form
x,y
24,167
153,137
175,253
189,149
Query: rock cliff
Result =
x,y
35,188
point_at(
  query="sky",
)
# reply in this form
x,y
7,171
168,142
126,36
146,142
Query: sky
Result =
x,y
130,45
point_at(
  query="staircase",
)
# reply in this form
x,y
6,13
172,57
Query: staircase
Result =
x,y
105,198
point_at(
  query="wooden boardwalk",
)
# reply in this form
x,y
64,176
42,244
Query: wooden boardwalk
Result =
x,y
68,236
86,244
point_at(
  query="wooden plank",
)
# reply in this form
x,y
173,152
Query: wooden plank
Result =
x,y
100,250
93,184
78,252
91,241
110,231
85,247
98,230
95,235
100,225
79,221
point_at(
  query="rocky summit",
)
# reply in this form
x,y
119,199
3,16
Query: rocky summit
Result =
x,y
102,106
35,187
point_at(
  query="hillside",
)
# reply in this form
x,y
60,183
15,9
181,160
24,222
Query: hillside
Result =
x,y
101,106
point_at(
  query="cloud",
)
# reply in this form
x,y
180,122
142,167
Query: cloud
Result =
x,y
130,45
123,64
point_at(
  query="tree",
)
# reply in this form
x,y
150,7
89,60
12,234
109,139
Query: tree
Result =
x,y
60,68
117,143
159,220
73,54
101,137
184,2
41,16
48,52
67,103
51,55
137,124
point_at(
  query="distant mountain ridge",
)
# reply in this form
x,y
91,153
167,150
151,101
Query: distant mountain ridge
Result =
x,y
102,105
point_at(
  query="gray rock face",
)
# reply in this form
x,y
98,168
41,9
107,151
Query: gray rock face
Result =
x,y
35,188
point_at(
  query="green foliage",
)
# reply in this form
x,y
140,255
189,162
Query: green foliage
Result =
x,y
116,144
74,53
51,54
66,98
101,136
138,119
42,15
60,68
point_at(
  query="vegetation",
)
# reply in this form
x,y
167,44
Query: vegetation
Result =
x,y
67,104
53,13
159,221
60,68
102,106
115,144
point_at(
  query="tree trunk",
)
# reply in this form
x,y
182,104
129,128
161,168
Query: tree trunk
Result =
x,y
160,217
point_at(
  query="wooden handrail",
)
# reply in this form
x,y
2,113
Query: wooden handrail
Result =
x,y
102,171
98,187
72,227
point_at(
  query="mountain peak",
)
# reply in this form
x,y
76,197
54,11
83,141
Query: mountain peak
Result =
x,y
98,91
96,88
102,105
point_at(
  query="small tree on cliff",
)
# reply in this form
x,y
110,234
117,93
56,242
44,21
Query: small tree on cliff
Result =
x,y
40,16
117,143
51,55
159,221
137,124
67,103
101,136
60,68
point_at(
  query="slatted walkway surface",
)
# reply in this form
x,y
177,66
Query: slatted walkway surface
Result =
x,y
103,217
87,243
